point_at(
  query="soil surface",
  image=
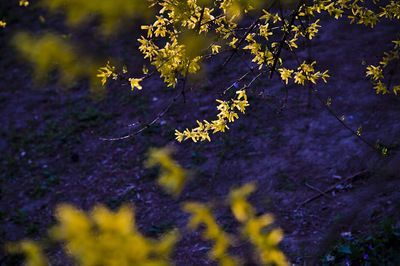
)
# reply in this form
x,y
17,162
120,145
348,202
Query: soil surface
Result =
x,y
51,153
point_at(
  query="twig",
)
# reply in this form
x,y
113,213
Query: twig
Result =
x,y
332,188
147,125
331,111
237,81
245,35
316,189
240,42
284,37
285,99
182,92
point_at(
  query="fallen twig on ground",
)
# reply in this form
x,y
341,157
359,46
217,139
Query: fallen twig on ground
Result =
x,y
331,188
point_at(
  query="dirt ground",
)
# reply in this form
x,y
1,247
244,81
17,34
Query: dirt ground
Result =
x,y
51,154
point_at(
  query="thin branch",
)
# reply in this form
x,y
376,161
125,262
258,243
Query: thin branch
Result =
x,y
391,73
316,189
245,63
198,27
285,99
333,113
256,77
240,42
332,188
245,35
237,81
284,37
147,125
182,92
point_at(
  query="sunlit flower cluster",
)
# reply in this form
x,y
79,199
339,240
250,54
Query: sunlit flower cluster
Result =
x,y
227,115
304,72
106,72
377,71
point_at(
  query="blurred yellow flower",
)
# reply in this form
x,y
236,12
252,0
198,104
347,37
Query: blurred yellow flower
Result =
x,y
23,3
172,176
135,83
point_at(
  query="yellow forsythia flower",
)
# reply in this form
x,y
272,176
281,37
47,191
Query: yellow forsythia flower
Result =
x,y
33,253
226,115
376,72
254,227
239,205
380,87
23,3
285,74
201,214
396,88
3,24
214,48
104,237
106,72
135,83
172,176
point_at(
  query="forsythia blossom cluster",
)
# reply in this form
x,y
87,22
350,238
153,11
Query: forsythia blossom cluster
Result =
x,y
172,176
227,114
32,251
304,72
174,58
104,237
106,72
23,3
101,237
109,238
253,229
377,71
201,214
50,51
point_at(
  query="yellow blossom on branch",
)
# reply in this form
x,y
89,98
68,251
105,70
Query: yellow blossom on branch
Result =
x,y
307,72
239,205
285,74
226,115
106,72
105,237
375,72
201,214
214,48
396,88
135,83
172,176
32,251
23,3
380,87
254,228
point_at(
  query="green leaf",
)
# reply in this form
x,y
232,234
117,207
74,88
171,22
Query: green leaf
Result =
x,y
344,249
145,70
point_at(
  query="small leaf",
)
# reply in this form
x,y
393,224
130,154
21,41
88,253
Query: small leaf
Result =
x,y
329,101
344,249
359,131
145,70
